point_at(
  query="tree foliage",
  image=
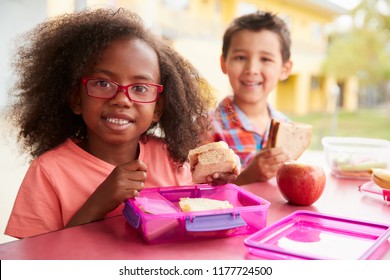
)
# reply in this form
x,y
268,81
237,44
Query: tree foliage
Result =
x,y
364,50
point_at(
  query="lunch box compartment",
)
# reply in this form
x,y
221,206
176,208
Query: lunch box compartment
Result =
x,y
168,223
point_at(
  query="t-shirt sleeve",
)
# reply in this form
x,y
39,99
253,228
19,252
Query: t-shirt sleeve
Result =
x,y
37,208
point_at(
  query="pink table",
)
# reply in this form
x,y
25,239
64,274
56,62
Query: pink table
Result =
x,y
114,238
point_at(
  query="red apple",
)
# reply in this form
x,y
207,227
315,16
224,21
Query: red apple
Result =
x,y
300,183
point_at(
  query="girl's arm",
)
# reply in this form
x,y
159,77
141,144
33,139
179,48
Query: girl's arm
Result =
x,y
125,181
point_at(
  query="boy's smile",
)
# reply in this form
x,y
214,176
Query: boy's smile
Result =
x,y
254,65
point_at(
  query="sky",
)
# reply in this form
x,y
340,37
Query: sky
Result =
x,y
347,4
344,22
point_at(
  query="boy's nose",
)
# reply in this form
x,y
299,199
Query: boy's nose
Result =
x,y
253,67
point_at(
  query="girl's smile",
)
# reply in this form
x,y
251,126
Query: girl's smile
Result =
x,y
117,122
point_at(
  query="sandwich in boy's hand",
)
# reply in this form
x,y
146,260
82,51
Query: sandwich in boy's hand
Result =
x,y
215,157
292,137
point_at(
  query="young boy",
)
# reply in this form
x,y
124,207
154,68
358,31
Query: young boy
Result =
x,y
255,56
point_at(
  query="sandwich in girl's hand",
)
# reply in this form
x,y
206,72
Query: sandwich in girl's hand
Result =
x,y
215,157
292,137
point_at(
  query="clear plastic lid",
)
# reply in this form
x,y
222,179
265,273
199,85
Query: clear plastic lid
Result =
x,y
310,235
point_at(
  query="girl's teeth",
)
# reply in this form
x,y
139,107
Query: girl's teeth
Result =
x,y
117,121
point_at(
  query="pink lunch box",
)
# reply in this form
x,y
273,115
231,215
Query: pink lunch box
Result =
x,y
168,223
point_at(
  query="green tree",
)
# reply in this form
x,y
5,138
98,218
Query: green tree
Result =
x,y
364,50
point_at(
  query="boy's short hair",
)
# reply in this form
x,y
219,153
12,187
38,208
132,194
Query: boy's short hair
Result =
x,y
256,22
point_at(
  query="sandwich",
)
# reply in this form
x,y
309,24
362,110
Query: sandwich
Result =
x,y
381,177
292,137
203,204
207,230
215,157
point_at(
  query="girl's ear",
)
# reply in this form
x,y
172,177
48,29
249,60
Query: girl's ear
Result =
x,y
75,102
286,70
159,109
223,64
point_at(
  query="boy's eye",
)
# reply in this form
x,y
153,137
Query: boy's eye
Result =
x,y
265,59
239,57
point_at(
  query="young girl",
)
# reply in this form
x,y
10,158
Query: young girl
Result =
x,y
255,56
93,91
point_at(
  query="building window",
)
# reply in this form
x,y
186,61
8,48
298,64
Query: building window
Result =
x,y
315,83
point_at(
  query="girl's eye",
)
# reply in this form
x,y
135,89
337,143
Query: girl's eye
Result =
x,y
102,83
140,88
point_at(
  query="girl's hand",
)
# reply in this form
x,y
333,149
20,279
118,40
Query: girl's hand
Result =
x,y
221,178
217,179
263,166
124,182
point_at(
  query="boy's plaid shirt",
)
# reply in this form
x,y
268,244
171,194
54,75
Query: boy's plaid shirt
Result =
x,y
231,125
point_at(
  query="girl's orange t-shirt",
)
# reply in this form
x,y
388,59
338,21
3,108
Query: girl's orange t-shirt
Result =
x,y
59,182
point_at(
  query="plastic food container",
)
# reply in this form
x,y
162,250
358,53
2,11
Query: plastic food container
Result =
x,y
351,157
168,223
306,235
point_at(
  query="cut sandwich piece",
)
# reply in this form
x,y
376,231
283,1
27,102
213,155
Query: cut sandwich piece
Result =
x,y
212,158
292,137
203,204
381,177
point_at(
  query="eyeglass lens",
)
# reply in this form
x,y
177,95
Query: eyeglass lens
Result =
x,y
137,92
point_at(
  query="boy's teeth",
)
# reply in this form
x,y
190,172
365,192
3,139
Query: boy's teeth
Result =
x,y
251,84
117,121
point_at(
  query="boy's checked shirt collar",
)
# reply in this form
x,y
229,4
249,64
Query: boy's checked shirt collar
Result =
x,y
233,126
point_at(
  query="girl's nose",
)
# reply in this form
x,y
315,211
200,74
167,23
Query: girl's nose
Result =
x,y
121,98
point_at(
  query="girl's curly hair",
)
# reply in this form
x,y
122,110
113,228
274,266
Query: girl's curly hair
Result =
x,y
52,58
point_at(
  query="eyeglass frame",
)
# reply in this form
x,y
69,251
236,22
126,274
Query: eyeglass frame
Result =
x,y
125,88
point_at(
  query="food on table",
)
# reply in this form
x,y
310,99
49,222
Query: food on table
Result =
x,y
381,177
354,157
203,204
212,158
356,166
300,183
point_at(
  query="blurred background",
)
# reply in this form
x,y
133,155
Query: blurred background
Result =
x,y
340,81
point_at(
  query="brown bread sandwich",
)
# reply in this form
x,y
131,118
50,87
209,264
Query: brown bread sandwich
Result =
x,y
292,137
215,157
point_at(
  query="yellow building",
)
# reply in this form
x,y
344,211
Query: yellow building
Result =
x,y
195,28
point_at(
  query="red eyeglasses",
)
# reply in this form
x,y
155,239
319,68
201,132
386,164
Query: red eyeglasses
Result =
x,y
138,92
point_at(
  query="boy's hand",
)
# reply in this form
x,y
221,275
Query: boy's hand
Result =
x,y
263,166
